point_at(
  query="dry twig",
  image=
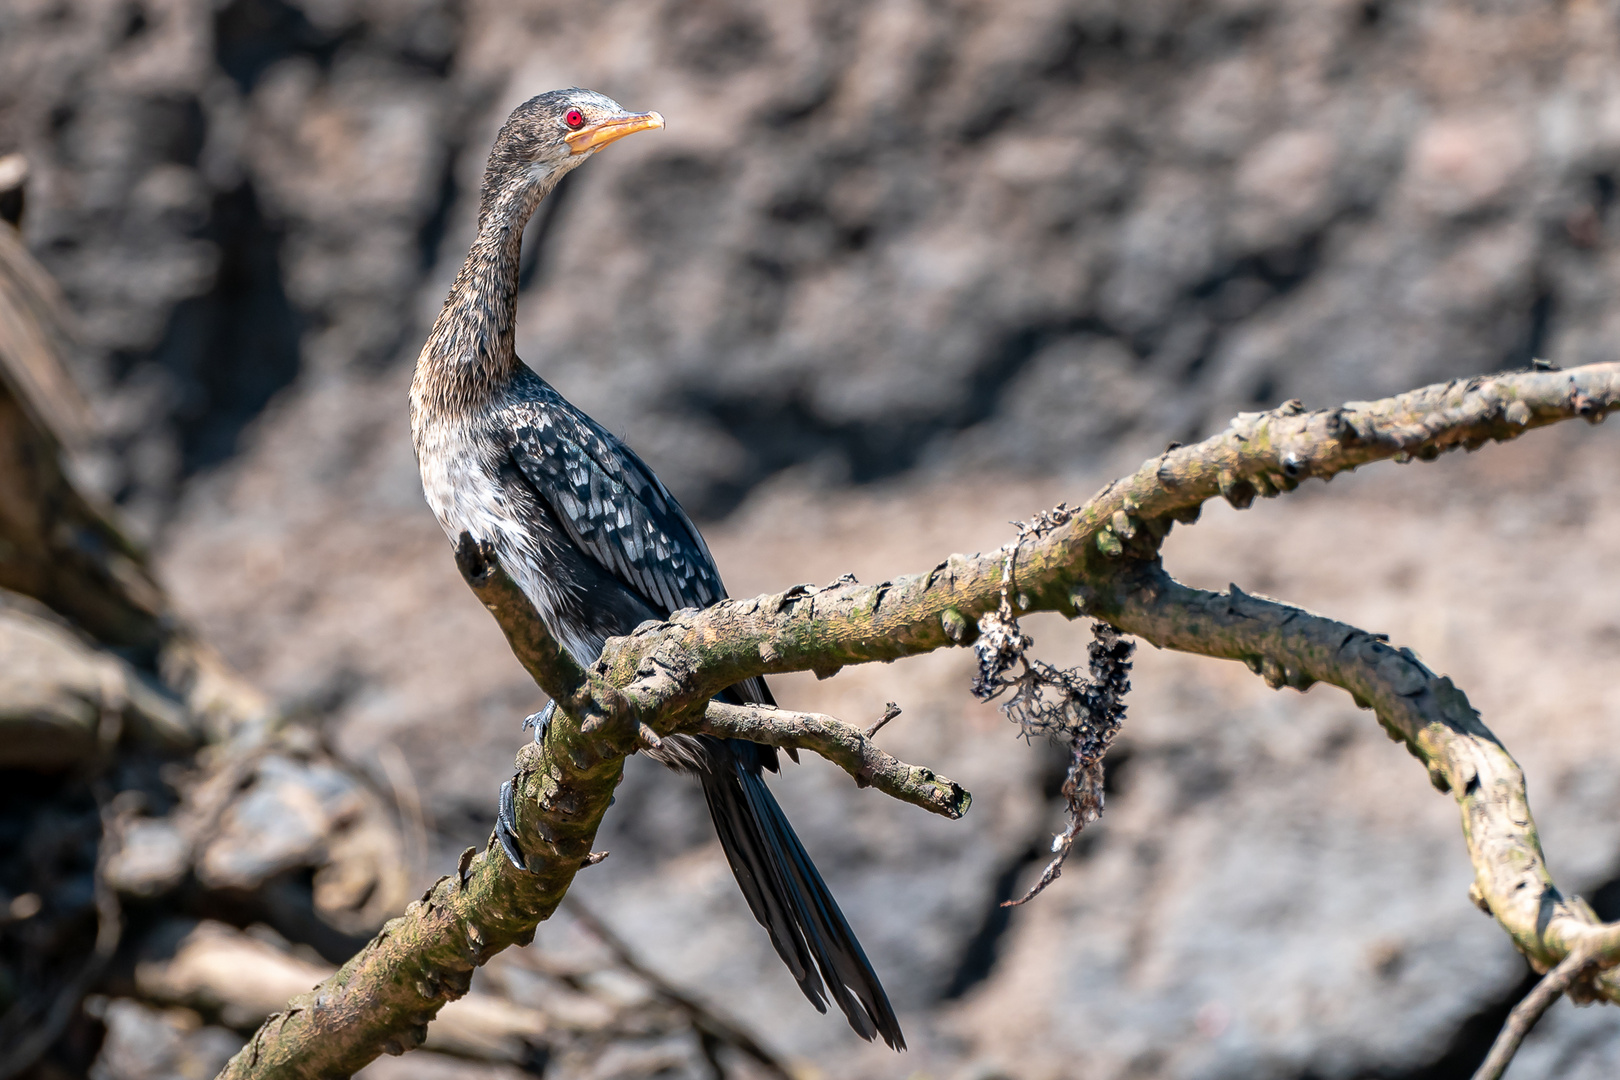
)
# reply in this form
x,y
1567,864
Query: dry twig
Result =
x,y
1525,1014
890,711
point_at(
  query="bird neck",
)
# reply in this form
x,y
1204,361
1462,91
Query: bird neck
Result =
x,y
471,351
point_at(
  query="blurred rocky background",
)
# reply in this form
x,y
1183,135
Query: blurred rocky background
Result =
x,y
180,856
896,273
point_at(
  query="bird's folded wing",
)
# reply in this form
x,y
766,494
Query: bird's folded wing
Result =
x,y
612,506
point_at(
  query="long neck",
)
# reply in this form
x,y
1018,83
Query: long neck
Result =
x,y
471,349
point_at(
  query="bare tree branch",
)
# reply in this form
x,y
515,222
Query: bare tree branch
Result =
x,y
1102,561
1527,1012
890,711
846,746
1292,647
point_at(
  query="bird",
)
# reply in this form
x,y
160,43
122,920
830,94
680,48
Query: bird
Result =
x,y
597,542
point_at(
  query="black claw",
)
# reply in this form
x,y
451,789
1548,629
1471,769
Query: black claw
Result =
x,y
506,827
540,721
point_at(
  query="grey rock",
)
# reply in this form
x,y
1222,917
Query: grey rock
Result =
x,y
53,693
62,699
883,241
152,857
285,819
144,1043
860,243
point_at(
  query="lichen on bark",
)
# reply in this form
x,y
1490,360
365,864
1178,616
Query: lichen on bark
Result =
x,y
1101,560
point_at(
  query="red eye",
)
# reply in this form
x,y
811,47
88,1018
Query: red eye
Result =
x,y
574,118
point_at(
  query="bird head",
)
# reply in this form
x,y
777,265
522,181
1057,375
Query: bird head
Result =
x,y
555,132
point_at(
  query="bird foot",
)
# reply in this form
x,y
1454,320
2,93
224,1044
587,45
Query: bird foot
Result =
x,y
506,826
540,721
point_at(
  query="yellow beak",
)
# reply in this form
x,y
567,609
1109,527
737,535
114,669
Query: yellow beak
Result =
x,y
597,135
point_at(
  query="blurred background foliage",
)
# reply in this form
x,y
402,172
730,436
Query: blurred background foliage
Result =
x,y
896,273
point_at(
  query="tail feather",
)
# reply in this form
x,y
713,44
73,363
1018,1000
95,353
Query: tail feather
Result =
x,y
757,870
788,896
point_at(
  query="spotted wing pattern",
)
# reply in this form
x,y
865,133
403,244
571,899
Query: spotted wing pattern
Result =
x,y
617,512
612,506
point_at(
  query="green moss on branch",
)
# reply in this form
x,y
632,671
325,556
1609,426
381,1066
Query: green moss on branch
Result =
x,y
1101,560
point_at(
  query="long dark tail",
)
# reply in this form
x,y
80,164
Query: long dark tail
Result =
x,y
787,895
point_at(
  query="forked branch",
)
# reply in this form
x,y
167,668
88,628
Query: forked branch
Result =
x,y
1101,561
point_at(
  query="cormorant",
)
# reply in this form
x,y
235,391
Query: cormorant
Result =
x,y
596,541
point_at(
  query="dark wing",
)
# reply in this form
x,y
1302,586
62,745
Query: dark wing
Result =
x,y
615,509
612,506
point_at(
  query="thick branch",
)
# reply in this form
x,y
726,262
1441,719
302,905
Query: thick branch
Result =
x,y
382,1000
1100,560
666,670
1292,647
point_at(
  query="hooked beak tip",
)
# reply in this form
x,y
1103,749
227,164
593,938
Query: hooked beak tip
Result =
x,y
597,135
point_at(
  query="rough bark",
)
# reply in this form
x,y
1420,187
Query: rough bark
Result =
x,y
1101,560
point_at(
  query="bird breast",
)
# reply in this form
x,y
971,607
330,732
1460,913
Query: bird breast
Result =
x,y
459,481
460,466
